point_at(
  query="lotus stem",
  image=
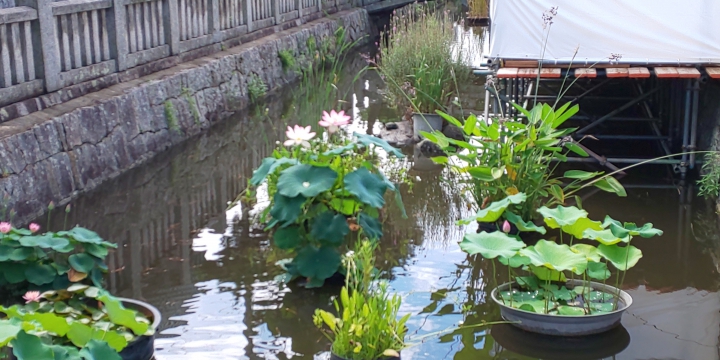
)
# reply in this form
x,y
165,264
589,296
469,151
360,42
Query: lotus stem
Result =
x,y
511,282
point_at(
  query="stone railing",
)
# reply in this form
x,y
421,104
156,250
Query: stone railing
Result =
x,y
47,45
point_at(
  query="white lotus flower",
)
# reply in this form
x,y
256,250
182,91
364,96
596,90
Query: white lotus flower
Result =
x,y
334,120
299,136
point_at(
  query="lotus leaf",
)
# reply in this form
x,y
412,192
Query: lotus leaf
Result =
x,y
521,296
268,167
529,282
537,306
46,241
368,187
118,314
555,257
615,227
582,289
287,209
622,258
598,271
368,140
21,254
288,237
330,228
646,231
372,228
515,261
605,237
599,296
341,150
26,347
601,308
96,250
84,235
317,263
39,274
493,211
491,245
589,251
570,310
81,262
611,185
578,228
98,350
522,225
306,180
8,331
561,215
546,274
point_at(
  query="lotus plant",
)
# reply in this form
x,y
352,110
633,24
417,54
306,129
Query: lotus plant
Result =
x,y
321,195
538,273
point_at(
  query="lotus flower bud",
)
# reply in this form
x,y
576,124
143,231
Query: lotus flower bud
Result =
x,y
506,227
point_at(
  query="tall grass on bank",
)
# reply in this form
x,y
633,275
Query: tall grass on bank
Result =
x,y
478,8
420,59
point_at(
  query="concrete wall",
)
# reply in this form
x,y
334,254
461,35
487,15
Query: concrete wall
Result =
x,y
56,153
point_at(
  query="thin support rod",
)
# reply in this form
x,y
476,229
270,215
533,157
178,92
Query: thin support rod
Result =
x,y
694,124
630,160
686,128
616,111
600,159
653,126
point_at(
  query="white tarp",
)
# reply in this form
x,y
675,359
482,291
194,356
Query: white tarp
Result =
x,y
642,31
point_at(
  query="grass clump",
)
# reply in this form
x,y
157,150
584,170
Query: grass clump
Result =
x,y
478,8
256,88
421,60
287,59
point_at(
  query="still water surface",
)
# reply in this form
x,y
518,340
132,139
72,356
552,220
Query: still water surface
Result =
x,y
211,271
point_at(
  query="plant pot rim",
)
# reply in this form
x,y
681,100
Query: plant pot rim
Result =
x,y
156,315
625,298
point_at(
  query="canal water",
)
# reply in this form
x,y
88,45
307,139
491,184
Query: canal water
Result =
x,y
210,270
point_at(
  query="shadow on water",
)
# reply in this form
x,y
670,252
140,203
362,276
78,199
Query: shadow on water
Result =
x,y
211,271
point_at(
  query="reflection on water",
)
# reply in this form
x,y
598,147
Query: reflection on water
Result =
x,y
211,271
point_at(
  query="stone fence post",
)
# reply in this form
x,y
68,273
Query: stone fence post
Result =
x,y
48,39
121,40
276,7
172,22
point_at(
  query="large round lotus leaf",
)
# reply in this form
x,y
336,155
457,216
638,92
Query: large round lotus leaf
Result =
x,y
84,235
491,245
306,180
268,166
570,311
545,274
622,258
589,251
96,250
562,293
555,257
287,238
81,262
368,140
47,241
317,263
496,209
514,262
646,231
14,272
27,346
5,252
598,271
371,226
20,254
602,308
330,228
578,228
605,237
561,215
537,306
40,274
286,209
368,187
523,225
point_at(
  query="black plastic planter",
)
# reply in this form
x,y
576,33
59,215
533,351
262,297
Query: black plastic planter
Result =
x,y
143,347
335,357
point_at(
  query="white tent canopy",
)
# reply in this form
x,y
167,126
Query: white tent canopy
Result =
x,y
641,31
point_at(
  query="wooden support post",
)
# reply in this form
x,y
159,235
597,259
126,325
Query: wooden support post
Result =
x,y
248,14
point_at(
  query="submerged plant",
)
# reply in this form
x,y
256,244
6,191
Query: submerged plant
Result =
x,y
585,249
321,191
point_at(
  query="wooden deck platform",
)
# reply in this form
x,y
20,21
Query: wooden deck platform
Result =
x,y
661,72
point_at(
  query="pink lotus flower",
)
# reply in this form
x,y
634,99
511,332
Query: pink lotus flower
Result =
x,y
506,227
298,136
5,227
334,120
31,296
34,227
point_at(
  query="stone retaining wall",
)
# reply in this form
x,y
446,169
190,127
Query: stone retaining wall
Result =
x,y
56,153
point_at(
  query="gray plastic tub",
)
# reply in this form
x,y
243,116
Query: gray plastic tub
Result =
x,y
426,122
561,325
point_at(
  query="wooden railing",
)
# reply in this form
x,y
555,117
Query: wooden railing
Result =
x,y
47,45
